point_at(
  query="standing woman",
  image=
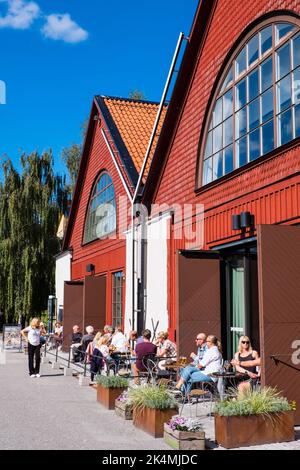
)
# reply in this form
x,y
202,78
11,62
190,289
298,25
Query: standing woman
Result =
x,y
34,346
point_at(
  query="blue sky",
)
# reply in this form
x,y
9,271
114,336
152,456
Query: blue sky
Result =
x,y
57,54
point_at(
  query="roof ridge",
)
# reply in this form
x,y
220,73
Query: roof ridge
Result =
x,y
129,100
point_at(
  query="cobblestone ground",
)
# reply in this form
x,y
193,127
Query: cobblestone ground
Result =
x,y
54,412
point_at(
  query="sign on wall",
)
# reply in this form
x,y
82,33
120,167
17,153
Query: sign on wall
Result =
x,y
12,337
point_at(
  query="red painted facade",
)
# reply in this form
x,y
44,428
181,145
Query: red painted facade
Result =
x,y
108,256
268,188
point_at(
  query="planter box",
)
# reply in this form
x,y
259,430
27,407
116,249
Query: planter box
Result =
x,y
241,431
124,410
152,421
184,440
108,396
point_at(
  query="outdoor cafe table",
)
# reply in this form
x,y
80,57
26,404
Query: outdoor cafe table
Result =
x,y
229,380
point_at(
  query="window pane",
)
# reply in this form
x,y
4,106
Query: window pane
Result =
x,y
240,63
266,39
254,114
241,152
283,59
228,155
241,94
227,80
285,127
218,166
228,132
297,121
267,105
296,51
253,84
207,171
253,50
284,94
217,139
241,123
268,137
217,115
296,86
267,74
227,104
208,148
282,29
254,145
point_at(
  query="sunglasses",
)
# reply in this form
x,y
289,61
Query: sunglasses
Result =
x,y
245,342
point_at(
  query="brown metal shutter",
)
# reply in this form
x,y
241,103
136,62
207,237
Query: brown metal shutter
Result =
x,y
279,299
198,297
95,301
73,309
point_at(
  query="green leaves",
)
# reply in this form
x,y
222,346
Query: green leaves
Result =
x,y
31,204
112,381
152,396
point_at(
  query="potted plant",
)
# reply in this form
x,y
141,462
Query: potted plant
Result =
x,y
152,407
123,406
184,433
109,388
254,417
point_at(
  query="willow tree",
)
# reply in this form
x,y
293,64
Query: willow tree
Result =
x,y
31,204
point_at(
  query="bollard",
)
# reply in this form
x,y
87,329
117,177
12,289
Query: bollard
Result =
x,y
69,358
68,372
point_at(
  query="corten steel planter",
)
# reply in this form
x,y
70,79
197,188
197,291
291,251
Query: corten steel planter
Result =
x,y
242,431
108,396
124,410
152,421
184,440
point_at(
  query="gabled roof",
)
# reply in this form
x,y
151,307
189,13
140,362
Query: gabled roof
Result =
x,y
130,124
201,23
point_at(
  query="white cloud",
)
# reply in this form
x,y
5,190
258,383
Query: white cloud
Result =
x,y
62,27
20,14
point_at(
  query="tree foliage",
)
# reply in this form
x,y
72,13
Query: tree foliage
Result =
x,y
31,205
136,95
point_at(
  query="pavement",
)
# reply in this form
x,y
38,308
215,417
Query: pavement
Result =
x,y
54,413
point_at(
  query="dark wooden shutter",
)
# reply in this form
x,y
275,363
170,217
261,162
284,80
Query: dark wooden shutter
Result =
x,y
279,299
198,297
73,309
95,301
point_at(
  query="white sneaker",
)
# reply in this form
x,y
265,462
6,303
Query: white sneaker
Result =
x,y
37,375
32,376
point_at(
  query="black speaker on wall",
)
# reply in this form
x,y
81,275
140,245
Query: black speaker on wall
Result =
x,y
236,222
246,219
90,268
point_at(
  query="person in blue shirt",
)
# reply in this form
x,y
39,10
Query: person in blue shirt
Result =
x,y
201,348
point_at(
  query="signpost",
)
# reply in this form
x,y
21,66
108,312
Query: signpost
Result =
x,y
12,337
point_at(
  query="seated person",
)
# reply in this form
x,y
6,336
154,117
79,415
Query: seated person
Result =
x,y
210,364
43,333
142,350
133,341
246,361
86,339
201,348
108,331
91,346
75,342
58,334
119,340
165,348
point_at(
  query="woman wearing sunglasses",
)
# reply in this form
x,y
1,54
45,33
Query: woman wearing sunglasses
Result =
x,y
246,361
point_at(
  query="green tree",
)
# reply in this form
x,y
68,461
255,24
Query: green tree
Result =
x,y
71,156
137,95
31,205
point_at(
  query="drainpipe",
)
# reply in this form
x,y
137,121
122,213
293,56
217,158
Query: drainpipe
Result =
x,y
137,195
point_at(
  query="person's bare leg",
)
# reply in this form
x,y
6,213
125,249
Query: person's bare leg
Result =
x,y
179,384
135,373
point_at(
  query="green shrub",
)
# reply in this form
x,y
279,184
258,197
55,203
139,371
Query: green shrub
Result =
x,y
151,396
253,402
112,381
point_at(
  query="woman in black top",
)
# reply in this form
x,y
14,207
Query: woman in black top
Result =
x,y
246,361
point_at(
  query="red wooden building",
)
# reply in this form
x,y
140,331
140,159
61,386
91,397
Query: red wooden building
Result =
x,y
231,143
94,244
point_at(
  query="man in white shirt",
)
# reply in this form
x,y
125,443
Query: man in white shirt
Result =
x,y
119,340
209,364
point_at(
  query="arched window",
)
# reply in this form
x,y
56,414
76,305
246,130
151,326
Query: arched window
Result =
x,y
257,104
101,215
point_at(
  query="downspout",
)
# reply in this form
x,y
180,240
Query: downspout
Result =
x,y
137,195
